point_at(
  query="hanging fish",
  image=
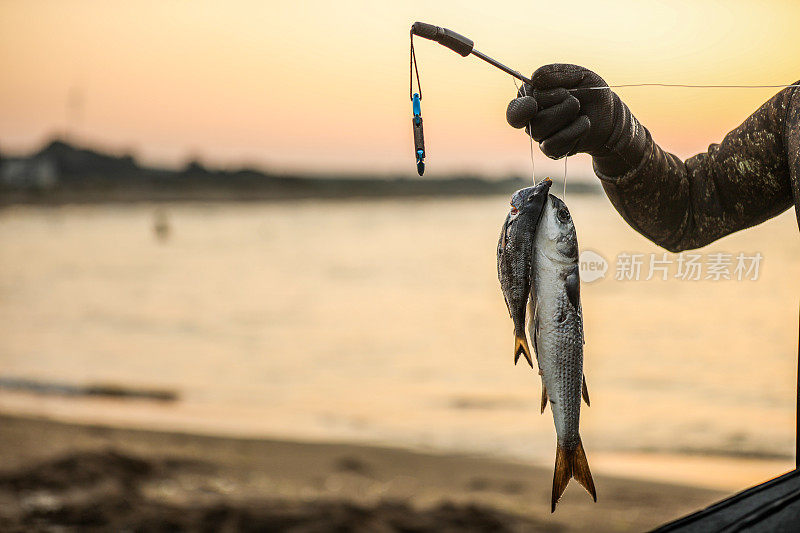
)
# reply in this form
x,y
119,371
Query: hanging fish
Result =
x,y
556,329
515,256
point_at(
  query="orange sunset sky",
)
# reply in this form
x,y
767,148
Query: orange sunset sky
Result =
x,y
323,86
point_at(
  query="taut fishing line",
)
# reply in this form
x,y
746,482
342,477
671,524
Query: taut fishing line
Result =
x,y
464,46
533,163
685,85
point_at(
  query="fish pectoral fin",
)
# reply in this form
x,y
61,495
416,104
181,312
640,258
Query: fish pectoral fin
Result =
x,y
571,463
544,397
573,286
585,392
521,348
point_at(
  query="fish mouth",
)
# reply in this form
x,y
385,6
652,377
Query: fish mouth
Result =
x,y
527,195
543,186
542,193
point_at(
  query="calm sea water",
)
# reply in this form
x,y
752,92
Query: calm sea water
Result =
x,y
382,321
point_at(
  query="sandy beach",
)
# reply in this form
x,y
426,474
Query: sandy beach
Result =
x,y
92,477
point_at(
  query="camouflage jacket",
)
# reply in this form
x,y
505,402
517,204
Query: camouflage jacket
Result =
x,y
751,176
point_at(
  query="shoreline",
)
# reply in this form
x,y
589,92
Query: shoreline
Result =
x,y
63,173
702,469
13,198
244,472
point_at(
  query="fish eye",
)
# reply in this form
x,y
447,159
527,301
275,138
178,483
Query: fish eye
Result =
x,y
531,197
563,214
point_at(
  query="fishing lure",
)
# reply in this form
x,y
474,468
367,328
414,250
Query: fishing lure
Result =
x,y
419,140
455,42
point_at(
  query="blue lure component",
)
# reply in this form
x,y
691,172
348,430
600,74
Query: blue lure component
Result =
x,y
419,141
458,44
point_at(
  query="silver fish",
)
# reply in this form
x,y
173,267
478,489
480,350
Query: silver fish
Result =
x,y
515,256
556,328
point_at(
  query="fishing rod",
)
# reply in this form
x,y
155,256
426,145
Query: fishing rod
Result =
x,y
459,44
464,46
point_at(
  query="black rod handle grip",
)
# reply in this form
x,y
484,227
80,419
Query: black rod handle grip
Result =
x,y
452,40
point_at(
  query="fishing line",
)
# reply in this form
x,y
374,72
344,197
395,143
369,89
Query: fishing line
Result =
x,y
684,85
570,151
533,164
412,69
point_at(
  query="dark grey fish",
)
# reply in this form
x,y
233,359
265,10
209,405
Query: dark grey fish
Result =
x,y
556,329
515,256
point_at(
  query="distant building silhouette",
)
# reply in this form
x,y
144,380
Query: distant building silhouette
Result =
x,y
62,173
39,172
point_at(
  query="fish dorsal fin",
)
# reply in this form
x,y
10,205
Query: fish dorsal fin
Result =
x,y
585,392
536,329
544,397
533,309
532,293
508,306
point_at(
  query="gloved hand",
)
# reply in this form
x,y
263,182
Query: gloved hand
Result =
x,y
565,115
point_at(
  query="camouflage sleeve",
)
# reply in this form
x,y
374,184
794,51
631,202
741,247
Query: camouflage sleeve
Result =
x,y
737,184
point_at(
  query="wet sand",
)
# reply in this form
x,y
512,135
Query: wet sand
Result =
x,y
56,474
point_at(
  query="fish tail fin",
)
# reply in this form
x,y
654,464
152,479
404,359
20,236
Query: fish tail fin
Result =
x,y
581,472
571,463
561,475
521,348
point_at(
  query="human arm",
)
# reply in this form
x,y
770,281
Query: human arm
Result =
x,y
677,204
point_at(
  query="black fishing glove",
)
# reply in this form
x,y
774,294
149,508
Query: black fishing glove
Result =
x,y
566,116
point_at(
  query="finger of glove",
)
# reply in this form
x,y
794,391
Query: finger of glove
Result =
x,y
566,141
554,118
581,82
525,90
521,111
558,75
551,97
